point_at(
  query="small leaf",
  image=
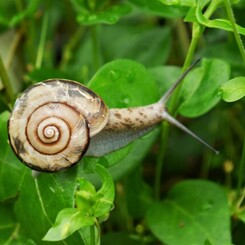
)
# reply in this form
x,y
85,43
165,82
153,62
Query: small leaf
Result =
x,y
106,194
107,16
188,3
9,163
202,98
176,2
68,221
194,212
233,90
171,9
217,23
85,196
241,216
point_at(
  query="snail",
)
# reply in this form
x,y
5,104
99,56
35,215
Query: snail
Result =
x,y
56,122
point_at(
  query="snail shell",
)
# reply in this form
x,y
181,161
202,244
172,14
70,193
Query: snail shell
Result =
x,y
52,123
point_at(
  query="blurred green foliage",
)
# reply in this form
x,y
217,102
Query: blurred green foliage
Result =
x,y
169,189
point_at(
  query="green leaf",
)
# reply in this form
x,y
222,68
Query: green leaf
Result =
x,y
7,223
118,83
9,163
106,194
201,89
106,16
165,76
84,197
40,199
217,23
90,205
157,8
188,3
67,222
241,216
194,212
233,90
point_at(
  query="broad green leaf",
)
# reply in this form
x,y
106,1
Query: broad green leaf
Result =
x,y
165,76
85,234
197,100
8,223
157,8
217,23
124,83
67,222
106,16
233,90
9,163
118,83
41,199
194,212
10,230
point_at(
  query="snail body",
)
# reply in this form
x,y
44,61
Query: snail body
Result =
x,y
56,122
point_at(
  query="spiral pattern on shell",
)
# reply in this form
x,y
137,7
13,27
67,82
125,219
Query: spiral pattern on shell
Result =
x,y
52,122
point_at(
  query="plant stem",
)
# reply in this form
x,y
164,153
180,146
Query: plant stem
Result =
x,y
70,47
197,31
92,235
41,46
160,159
233,23
241,171
95,43
183,36
6,82
14,46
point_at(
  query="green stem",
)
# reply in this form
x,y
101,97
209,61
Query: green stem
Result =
x,y
196,34
6,82
13,47
241,171
160,159
233,23
183,37
92,235
42,42
197,31
69,48
95,43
